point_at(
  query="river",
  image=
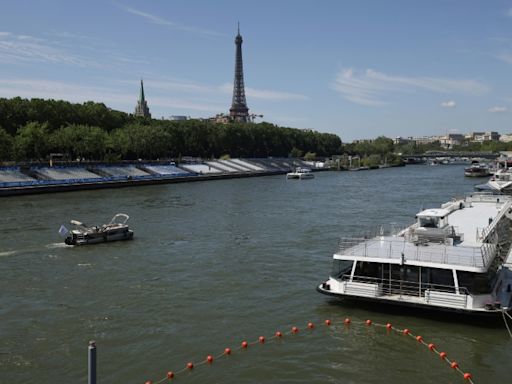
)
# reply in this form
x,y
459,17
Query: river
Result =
x,y
214,263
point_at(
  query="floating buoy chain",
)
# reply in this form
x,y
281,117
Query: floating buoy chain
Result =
x,y
347,322
443,355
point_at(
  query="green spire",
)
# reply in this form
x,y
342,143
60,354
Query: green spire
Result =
x,y
141,97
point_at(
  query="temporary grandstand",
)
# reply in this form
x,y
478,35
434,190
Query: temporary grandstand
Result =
x,y
40,179
13,175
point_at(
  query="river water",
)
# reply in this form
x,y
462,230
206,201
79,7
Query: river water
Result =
x,y
214,263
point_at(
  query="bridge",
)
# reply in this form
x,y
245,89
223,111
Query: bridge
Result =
x,y
451,154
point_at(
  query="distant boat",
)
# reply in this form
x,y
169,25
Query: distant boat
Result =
x,y
300,173
477,170
116,229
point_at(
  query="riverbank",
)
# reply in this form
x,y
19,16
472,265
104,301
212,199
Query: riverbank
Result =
x,y
37,179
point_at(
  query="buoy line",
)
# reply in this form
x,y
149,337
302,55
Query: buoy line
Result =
x,y
171,375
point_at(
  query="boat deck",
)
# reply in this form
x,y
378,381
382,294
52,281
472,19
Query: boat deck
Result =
x,y
392,249
473,222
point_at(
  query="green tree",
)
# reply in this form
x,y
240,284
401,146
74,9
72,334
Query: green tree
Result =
x,y
6,145
32,142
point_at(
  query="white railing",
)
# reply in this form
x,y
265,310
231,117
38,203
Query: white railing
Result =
x,y
400,248
436,294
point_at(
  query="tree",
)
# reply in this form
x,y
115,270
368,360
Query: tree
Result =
x,y
31,142
6,145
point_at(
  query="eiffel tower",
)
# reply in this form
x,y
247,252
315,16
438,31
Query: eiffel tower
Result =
x,y
239,110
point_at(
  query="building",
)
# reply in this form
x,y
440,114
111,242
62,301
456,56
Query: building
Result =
x,y
142,108
507,138
480,137
451,140
239,110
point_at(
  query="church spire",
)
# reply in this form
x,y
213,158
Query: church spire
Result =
x,y
141,97
142,108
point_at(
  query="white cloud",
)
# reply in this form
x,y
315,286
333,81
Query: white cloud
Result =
x,y
25,49
505,57
372,87
497,109
448,104
161,21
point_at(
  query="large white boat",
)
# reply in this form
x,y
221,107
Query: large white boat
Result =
x,y
300,173
117,229
500,182
454,258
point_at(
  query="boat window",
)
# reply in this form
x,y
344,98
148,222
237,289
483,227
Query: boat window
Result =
x,y
475,283
437,279
341,267
429,222
479,283
368,269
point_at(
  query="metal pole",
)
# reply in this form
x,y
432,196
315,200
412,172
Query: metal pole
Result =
x,y
92,362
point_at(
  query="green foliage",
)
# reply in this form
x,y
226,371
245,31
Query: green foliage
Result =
x,y
6,145
225,157
93,131
310,156
32,142
295,152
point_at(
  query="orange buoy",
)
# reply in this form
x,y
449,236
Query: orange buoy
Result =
x,y
170,375
389,326
311,325
148,382
442,355
261,339
368,322
244,344
209,358
406,331
419,338
454,365
295,329
279,334
327,322
227,351
190,366
431,346
346,321
467,376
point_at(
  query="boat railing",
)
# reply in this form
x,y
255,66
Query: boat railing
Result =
x,y
487,230
440,294
400,248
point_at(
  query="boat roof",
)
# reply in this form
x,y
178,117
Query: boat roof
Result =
x,y
433,212
474,222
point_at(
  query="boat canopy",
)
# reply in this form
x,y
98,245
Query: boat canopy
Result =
x,y
433,212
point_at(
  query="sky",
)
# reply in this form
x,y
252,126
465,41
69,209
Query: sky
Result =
x,y
359,69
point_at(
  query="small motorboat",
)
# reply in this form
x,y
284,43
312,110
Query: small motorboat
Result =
x,y
477,170
300,173
116,229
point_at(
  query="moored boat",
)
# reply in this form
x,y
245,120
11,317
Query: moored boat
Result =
x,y
300,173
477,170
454,258
116,229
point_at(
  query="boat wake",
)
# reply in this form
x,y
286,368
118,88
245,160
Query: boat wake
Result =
x,y
7,253
56,245
32,249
